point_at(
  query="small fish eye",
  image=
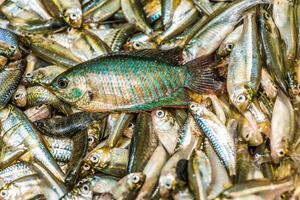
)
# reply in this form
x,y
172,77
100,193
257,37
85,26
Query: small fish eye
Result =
x,y
91,139
12,47
168,185
3,193
86,167
137,44
229,47
247,136
135,179
85,188
267,15
18,96
29,75
94,159
131,125
160,113
281,153
192,106
241,98
62,83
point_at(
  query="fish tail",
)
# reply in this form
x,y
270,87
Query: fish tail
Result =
x,y
203,76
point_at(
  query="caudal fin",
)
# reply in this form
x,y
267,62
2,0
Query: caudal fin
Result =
x,y
204,77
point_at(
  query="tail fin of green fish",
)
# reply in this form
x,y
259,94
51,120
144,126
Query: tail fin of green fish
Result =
x,y
204,77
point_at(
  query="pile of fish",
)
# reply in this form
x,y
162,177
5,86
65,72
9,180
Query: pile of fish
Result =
x,y
149,99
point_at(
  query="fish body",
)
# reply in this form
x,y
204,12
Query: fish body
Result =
x,y
244,69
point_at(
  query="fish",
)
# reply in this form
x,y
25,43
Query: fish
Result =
x,y
95,86
217,134
272,48
243,81
282,128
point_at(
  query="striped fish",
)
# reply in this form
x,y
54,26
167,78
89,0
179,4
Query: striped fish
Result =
x,y
133,83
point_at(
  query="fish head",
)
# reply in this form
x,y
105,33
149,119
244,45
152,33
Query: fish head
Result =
x,y
20,98
241,97
251,134
100,158
73,16
196,109
167,184
162,119
279,149
69,87
10,191
135,180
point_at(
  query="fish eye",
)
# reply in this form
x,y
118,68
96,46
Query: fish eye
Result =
x,y
135,179
160,113
85,188
266,15
86,167
29,75
91,139
281,153
168,185
229,47
73,16
94,158
192,106
12,48
4,193
137,44
62,82
131,125
18,96
241,98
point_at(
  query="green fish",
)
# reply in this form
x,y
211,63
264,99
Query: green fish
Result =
x,y
134,82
